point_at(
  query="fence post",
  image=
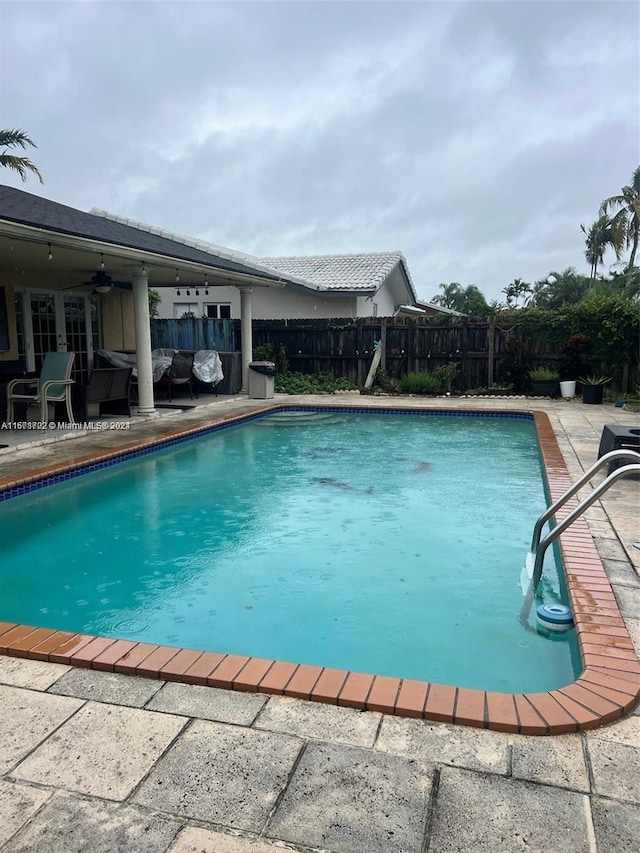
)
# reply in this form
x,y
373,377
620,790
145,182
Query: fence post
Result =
x,y
383,344
360,355
491,348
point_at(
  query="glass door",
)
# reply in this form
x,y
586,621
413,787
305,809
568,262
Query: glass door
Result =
x,y
58,322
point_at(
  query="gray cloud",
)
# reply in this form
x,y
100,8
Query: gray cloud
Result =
x,y
475,137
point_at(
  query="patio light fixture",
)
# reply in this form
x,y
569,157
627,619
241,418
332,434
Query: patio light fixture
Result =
x,y
177,291
101,261
177,275
50,256
206,286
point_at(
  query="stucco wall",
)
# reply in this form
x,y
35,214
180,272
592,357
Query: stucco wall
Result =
x,y
267,303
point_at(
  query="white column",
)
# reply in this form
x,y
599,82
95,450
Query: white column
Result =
x,y
143,343
246,338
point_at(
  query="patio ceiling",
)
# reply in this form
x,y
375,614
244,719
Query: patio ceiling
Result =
x,y
24,260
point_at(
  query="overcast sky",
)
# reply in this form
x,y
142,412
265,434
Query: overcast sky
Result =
x,y
475,137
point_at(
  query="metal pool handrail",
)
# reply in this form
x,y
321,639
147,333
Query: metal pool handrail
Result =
x,y
539,547
604,460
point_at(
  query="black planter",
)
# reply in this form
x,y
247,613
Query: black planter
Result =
x,y
592,394
545,387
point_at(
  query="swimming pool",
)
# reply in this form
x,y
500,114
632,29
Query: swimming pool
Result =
x,y
367,551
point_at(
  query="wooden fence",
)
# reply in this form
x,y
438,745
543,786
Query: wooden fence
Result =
x,y
480,347
194,334
344,347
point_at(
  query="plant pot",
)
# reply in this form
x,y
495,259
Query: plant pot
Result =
x,y
592,394
568,388
544,387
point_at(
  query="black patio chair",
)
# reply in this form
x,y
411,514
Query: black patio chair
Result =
x,y
178,374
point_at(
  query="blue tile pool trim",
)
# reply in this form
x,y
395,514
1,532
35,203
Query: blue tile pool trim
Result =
x,y
118,457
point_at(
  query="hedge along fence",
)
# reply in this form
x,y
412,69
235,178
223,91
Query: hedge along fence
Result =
x,y
489,351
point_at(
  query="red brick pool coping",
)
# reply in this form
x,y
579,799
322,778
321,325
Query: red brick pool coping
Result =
x,y
608,687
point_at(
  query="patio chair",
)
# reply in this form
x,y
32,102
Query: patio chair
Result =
x,y
52,386
178,374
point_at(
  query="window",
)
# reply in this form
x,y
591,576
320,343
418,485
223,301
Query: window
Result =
x,y
218,310
182,308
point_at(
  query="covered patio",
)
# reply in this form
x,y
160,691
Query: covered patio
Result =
x,y
76,281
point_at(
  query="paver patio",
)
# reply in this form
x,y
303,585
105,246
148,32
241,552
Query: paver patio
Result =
x,y
102,761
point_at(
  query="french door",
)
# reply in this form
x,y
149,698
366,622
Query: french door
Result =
x,y
50,321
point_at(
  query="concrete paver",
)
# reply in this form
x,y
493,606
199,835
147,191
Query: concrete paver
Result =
x,y
552,761
26,719
620,572
111,687
478,813
105,750
17,804
196,840
347,799
325,722
616,825
72,825
34,674
442,743
222,774
628,600
616,769
225,706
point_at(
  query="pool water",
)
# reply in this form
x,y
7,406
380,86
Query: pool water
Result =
x,y
381,543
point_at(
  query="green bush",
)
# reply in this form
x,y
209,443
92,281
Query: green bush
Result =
x,y
420,383
263,352
317,383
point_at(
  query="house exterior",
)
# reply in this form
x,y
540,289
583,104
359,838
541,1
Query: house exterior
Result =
x,y
71,280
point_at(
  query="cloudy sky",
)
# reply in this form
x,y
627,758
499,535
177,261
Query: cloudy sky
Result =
x,y
473,136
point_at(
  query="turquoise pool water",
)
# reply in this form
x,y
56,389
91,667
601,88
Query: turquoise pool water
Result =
x,y
389,544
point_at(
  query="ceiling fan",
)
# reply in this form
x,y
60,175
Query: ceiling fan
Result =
x,y
101,282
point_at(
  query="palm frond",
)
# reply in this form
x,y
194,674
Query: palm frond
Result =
x,y
11,138
21,165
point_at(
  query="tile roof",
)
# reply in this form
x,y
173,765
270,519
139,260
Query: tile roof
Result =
x,y
338,272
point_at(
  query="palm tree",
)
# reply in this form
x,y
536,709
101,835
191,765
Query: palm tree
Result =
x,y
518,288
628,205
21,165
450,295
604,232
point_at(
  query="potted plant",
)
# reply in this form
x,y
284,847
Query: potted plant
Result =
x,y
544,381
575,361
593,389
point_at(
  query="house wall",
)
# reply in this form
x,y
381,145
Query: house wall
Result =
x,y
285,303
267,303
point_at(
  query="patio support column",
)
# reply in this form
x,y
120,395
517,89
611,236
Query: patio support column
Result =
x,y
246,338
143,343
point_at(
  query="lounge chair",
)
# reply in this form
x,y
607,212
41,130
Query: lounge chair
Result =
x,y
52,386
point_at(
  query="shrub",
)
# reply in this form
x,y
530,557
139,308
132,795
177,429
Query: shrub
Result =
x,y
316,383
420,383
544,373
446,373
263,352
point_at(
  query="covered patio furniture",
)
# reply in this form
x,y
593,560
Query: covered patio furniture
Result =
x,y
178,374
52,386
